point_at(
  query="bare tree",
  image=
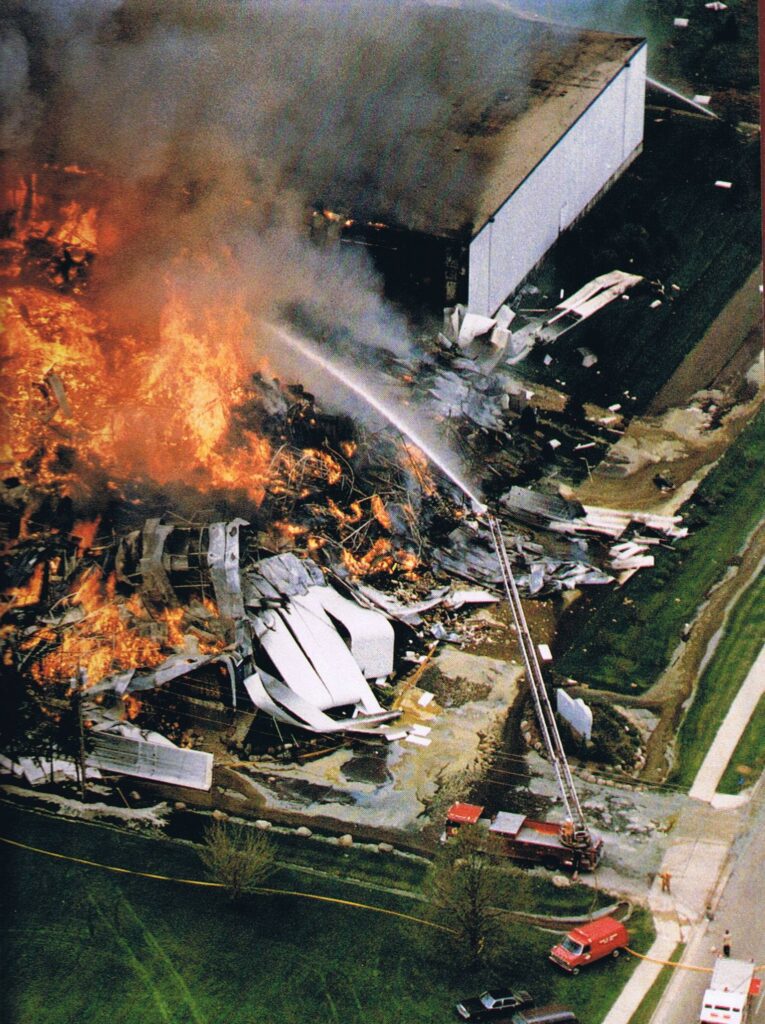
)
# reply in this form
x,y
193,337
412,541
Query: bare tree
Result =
x,y
238,857
462,891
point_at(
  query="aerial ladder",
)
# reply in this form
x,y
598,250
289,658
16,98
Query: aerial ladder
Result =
x,y
574,832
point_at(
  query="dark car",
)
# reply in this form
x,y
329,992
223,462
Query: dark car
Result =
x,y
551,1014
493,1003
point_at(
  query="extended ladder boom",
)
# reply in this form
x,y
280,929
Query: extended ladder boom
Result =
x,y
545,714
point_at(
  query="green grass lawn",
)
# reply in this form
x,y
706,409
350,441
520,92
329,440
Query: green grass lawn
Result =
x,y
740,644
366,868
627,640
82,944
355,863
651,999
750,752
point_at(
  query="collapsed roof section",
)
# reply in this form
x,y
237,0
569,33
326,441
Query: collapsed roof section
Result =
x,y
314,649
303,652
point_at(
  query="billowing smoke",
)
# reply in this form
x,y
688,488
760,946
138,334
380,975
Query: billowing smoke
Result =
x,y
208,132
216,125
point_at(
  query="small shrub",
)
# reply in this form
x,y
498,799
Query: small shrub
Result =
x,y
237,857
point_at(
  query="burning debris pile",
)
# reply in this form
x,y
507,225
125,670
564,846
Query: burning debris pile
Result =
x,y
187,539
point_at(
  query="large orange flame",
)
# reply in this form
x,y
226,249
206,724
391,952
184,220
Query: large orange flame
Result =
x,y
157,408
111,635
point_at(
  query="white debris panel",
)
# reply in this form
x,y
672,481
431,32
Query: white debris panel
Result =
x,y
575,712
150,760
124,748
370,634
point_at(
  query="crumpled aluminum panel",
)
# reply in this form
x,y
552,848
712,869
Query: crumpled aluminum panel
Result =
x,y
223,560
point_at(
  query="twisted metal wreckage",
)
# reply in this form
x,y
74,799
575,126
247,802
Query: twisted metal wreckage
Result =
x,y
289,643
302,652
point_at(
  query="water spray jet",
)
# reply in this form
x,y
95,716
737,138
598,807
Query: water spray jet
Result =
x,y
679,96
349,381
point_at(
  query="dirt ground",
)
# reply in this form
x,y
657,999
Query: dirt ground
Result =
x,y
393,786
730,344
682,444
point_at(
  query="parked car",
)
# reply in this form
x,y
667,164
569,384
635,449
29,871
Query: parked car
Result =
x,y
590,942
551,1014
493,1003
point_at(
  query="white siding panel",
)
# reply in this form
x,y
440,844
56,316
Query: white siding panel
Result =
x,y
635,105
557,191
478,271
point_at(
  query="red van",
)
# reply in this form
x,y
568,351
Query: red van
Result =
x,y
589,942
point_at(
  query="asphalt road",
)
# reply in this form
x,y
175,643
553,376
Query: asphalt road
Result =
x,y
741,908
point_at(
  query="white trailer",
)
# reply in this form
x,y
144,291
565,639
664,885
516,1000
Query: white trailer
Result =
x,y
729,997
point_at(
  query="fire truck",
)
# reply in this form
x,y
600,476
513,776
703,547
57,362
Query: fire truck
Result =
x,y
522,838
728,1000
566,844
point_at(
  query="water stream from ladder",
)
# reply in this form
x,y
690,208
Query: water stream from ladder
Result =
x,y
353,384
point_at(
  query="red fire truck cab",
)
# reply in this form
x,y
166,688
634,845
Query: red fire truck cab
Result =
x,y
540,842
590,942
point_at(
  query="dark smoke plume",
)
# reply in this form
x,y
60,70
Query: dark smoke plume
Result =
x,y
216,125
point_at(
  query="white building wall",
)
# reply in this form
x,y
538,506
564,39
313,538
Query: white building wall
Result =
x,y
596,146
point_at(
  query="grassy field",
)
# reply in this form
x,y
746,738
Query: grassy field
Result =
x,y
627,641
749,753
85,945
651,999
366,868
740,644
355,863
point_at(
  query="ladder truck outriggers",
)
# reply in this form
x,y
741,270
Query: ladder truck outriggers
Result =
x,y
570,843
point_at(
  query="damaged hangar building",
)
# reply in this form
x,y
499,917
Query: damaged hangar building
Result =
x,y
514,162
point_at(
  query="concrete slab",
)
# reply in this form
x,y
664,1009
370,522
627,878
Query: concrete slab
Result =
x,y
695,859
410,775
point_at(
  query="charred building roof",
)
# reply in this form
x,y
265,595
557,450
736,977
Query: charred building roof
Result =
x,y
496,135
544,87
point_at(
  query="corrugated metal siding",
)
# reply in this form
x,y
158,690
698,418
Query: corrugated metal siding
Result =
x,y
559,188
128,756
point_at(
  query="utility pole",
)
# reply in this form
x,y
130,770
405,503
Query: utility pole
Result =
x,y
78,687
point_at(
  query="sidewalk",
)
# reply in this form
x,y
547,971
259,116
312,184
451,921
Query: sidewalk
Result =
x,y
644,975
729,733
696,859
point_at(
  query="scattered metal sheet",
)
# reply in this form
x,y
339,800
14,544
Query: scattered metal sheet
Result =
x,y
371,635
223,563
155,582
124,748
